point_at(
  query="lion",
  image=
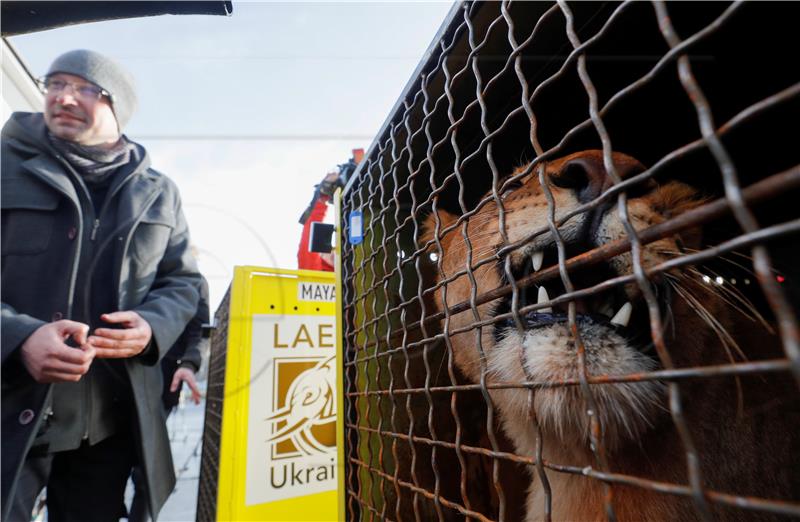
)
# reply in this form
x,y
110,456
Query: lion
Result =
x,y
743,428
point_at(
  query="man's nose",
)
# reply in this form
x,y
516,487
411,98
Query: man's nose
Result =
x,y
67,94
587,177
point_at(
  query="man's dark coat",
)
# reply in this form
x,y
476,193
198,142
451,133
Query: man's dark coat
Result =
x,y
45,229
186,350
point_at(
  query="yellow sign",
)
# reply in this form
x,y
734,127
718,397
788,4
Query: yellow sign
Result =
x,y
278,451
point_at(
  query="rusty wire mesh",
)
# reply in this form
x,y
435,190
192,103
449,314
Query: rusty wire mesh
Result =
x,y
508,89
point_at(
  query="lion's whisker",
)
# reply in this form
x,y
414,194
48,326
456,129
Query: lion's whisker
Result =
x,y
721,258
748,311
722,334
712,321
728,292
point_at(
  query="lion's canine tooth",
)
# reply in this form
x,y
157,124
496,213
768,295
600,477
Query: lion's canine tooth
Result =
x,y
624,315
543,298
538,258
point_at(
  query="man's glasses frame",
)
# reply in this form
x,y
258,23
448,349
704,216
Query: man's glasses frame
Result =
x,y
85,91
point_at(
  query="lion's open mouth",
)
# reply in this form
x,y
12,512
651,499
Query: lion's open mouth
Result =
x,y
612,308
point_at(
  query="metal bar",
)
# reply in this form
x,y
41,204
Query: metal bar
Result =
x,y
700,372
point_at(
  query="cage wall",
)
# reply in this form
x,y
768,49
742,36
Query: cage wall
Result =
x,y
208,481
576,293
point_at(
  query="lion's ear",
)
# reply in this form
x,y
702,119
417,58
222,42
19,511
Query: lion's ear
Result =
x,y
429,225
675,198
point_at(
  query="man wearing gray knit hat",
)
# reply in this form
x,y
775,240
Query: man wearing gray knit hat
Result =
x,y
110,87
104,73
98,283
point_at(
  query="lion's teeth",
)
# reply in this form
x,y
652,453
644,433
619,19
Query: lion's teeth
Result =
x,y
543,298
538,258
623,316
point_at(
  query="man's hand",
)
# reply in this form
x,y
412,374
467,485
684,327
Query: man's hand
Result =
x,y
123,343
48,359
186,375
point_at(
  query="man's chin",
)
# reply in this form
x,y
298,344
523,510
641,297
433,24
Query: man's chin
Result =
x,y
66,132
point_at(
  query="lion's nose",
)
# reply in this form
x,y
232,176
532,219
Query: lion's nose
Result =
x,y
587,177
584,175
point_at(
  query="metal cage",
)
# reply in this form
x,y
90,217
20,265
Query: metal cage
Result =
x,y
507,91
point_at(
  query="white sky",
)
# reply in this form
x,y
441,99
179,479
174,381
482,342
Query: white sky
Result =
x,y
305,82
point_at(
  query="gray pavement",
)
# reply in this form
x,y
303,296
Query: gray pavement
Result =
x,y
185,434
185,427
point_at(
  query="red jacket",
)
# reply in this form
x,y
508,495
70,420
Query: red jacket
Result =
x,y
311,260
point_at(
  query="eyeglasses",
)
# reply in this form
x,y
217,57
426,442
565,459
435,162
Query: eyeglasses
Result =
x,y
84,91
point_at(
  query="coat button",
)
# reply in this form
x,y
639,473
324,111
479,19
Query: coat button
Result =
x,y
57,316
72,232
26,417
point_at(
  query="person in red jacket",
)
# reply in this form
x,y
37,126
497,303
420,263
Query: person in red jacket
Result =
x,y
312,260
316,211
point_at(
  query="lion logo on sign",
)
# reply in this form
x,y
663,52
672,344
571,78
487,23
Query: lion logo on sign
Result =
x,y
309,403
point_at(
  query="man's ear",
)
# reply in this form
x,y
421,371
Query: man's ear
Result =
x,y
429,226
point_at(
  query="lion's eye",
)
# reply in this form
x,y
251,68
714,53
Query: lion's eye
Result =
x,y
510,188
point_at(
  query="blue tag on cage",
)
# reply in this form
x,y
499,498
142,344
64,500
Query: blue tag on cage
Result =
x,y
356,234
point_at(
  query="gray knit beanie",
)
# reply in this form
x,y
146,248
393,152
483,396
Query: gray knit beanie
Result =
x,y
106,74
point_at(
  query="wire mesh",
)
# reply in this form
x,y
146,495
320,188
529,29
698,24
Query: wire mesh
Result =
x,y
575,294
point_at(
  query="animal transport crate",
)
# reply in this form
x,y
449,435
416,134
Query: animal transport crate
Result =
x,y
573,286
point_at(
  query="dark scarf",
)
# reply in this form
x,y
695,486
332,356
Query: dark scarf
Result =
x,y
95,164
